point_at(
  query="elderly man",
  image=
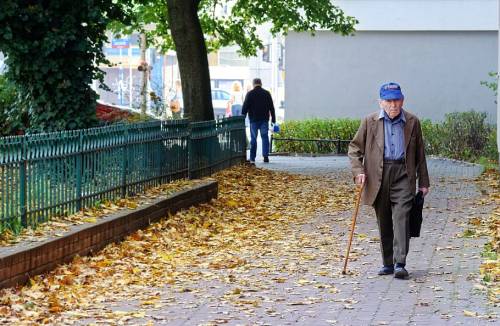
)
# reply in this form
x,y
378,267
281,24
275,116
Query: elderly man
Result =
x,y
387,155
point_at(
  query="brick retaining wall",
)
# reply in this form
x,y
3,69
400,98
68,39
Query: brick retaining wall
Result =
x,y
20,264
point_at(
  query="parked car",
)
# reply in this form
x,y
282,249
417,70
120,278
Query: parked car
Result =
x,y
220,99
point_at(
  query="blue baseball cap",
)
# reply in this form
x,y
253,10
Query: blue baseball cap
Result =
x,y
391,91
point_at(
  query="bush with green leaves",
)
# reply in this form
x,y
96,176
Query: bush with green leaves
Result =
x,y
343,129
53,50
13,119
462,135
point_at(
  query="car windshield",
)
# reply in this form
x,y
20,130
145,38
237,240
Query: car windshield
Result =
x,y
220,95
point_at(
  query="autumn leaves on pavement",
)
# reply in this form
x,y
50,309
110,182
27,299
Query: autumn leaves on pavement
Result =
x,y
254,217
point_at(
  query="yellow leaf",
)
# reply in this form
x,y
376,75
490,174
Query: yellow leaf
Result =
x,y
131,205
104,263
232,203
470,313
139,314
166,257
148,302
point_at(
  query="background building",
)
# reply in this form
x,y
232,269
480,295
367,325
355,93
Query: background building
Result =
x,y
439,51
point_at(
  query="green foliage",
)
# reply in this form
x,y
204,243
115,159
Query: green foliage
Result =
x,y
320,128
12,226
12,118
462,135
223,23
489,252
343,129
493,85
52,52
433,135
239,26
468,233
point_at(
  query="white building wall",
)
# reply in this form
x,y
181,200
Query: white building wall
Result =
x,y
423,15
334,76
439,51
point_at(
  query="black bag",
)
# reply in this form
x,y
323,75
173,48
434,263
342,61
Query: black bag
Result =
x,y
416,215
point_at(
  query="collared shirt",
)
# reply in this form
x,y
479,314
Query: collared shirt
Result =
x,y
394,138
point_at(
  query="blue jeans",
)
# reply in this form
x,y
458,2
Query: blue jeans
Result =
x,y
236,110
255,126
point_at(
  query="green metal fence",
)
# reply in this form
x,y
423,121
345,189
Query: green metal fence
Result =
x,y
56,174
215,145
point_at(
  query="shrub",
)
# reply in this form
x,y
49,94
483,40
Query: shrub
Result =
x,y
343,129
462,135
12,119
53,50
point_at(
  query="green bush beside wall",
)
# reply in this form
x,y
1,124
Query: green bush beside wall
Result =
x,y
315,129
461,135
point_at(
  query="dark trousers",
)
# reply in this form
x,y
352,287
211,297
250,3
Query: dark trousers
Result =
x,y
392,207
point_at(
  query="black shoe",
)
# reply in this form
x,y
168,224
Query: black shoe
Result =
x,y
266,159
386,270
400,271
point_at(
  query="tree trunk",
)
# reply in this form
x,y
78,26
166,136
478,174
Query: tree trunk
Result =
x,y
145,73
192,56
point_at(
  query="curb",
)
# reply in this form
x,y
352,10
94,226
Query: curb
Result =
x,y
18,266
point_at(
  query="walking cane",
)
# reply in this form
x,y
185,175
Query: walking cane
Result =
x,y
354,216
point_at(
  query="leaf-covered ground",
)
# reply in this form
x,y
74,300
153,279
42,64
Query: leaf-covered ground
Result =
x,y
220,241
490,269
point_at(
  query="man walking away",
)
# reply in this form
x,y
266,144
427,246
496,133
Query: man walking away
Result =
x,y
259,106
387,154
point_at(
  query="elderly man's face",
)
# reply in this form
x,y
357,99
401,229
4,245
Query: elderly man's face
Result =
x,y
391,107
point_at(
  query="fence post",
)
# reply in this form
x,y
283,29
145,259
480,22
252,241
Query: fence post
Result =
x,y
338,146
244,140
271,145
125,162
189,151
79,171
22,184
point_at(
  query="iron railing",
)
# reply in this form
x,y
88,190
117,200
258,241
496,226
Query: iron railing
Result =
x,y
57,174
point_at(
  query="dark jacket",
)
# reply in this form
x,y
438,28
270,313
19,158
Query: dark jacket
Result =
x,y
258,104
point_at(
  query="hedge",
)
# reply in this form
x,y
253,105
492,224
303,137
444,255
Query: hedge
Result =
x,y
461,135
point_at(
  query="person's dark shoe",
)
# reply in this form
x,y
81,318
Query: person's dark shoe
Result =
x,y
386,270
251,162
266,159
400,271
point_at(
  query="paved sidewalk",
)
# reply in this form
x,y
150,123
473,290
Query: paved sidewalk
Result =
x,y
298,281
443,267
